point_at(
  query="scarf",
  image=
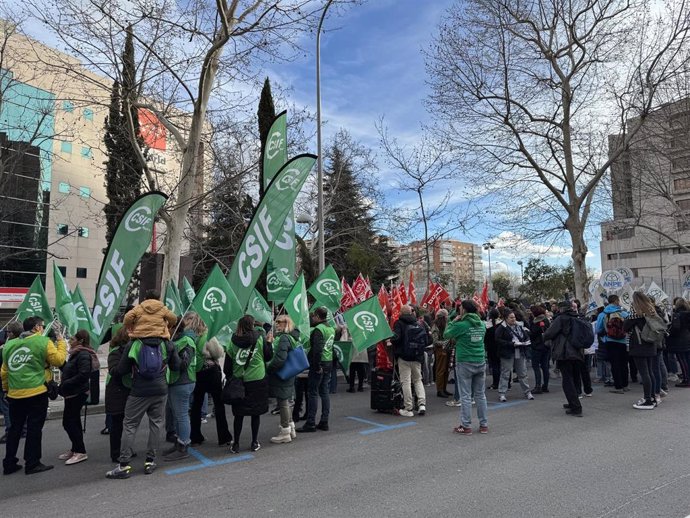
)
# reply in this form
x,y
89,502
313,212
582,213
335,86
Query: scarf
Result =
x,y
95,364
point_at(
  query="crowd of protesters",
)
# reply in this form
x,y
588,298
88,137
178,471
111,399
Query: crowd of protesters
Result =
x,y
165,368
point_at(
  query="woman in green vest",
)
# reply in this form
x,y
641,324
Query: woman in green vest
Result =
x,y
181,383
245,360
286,339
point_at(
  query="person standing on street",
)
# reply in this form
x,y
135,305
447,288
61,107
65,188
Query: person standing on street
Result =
x,y
613,336
26,363
468,330
409,343
512,341
116,391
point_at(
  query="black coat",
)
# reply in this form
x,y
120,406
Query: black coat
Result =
x,y
75,374
637,347
558,333
504,341
678,339
537,327
279,388
116,393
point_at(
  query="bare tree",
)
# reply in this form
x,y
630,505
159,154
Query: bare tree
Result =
x,y
529,92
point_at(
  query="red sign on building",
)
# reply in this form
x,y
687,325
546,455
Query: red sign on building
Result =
x,y
152,131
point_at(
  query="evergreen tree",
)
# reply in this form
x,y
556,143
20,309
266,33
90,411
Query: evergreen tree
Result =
x,y
266,114
352,245
123,171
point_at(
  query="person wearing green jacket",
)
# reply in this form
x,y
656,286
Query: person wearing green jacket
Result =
x,y
468,330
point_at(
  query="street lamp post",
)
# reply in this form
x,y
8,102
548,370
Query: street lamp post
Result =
x,y
488,246
521,272
319,160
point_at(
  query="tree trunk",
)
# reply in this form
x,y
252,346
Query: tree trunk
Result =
x,y
577,237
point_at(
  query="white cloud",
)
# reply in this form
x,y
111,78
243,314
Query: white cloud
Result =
x,y
509,245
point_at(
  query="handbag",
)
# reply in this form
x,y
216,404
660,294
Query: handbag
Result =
x,y
52,389
233,390
295,363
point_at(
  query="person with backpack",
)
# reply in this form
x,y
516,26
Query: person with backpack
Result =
x,y
409,343
641,325
286,339
74,388
614,339
246,360
148,360
512,341
320,354
678,339
541,351
570,336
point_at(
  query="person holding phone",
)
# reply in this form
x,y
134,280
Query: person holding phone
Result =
x,y
512,341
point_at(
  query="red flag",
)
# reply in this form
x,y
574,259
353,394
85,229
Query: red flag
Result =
x,y
348,299
437,295
485,294
501,302
370,292
359,288
403,293
383,298
412,290
396,305
427,294
478,302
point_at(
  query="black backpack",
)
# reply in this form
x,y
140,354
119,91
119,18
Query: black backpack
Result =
x,y
415,341
581,334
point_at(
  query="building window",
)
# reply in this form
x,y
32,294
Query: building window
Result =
x,y
624,255
86,152
63,270
682,225
66,147
682,184
62,229
81,273
88,114
84,192
63,188
67,106
83,232
683,204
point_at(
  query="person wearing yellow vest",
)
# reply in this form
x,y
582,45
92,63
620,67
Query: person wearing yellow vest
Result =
x,y
246,359
320,357
26,363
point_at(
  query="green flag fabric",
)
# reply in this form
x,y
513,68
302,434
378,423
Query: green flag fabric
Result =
x,y
344,350
327,289
81,310
64,307
275,151
259,308
187,295
35,304
297,307
278,285
266,225
367,324
172,299
216,303
131,239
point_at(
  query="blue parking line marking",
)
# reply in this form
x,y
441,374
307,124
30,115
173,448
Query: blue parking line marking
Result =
x,y
496,406
207,463
378,427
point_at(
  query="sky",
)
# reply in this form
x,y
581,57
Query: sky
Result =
x,y
372,66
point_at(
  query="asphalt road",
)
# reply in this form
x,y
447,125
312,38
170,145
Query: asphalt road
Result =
x,y
535,462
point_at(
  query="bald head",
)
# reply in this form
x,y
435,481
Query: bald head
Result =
x,y
406,310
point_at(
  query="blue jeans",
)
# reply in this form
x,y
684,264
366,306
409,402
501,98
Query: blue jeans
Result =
x,y
5,410
604,371
178,395
317,386
472,380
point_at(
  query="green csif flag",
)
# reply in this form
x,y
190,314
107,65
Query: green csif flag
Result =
x,y
81,310
344,350
130,240
327,289
187,294
297,307
278,285
367,324
259,308
216,303
266,225
172,298
64,307
35,304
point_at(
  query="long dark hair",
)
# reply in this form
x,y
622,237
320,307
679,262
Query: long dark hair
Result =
x,y
441,322
82,336
245,325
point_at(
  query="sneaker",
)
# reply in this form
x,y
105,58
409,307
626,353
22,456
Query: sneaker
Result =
x,y
8,470
149,467
235,448
255,446
473,401
422,410
657,400
323,426
537,391
76,459
462,430
483,429
673,378
275,411
589,395
204,420
580,396
453,402
119,472
663,393
646,405
405,413
640,401
626,389
529,396
574,413
307,428
65,456
105,431
502,399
